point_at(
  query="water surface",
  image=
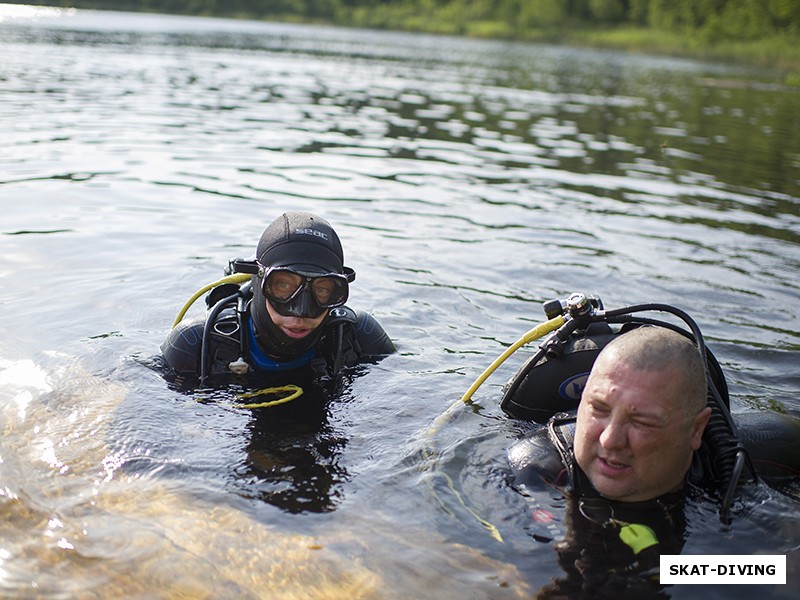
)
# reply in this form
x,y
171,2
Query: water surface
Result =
x,y
469,181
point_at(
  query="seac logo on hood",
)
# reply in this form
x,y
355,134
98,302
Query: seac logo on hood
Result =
x,y
309,231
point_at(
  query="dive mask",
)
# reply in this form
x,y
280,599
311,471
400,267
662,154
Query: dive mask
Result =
x,y
296,293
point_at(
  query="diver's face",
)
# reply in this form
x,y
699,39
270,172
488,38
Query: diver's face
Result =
x,y
295,328
634,438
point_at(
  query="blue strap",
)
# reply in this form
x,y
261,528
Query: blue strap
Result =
x,y
265,363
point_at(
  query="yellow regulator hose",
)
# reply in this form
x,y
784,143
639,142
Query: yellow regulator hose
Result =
x,y
295,392
235,278
292,393
535,333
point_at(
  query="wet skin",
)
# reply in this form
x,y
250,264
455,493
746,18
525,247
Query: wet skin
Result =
x,y
634,436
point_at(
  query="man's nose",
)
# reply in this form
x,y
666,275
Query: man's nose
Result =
x,y
614,435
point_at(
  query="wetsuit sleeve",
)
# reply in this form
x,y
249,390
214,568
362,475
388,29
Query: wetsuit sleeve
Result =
x,y
182,348
535,460
372,339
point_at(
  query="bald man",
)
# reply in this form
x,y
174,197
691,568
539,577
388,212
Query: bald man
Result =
x,y
642,415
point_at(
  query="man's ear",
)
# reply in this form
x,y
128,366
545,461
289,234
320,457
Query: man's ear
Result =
x,y
698,425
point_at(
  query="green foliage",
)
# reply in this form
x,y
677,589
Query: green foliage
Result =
x,y
638,11
538,14
714,19
784,12
608,11
697,24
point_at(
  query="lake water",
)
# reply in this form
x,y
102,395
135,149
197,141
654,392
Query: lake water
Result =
x,y
469,181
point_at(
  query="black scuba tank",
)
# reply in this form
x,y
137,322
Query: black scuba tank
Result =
x,y
553,382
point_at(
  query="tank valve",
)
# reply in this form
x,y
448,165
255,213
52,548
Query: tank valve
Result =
x,y
578,305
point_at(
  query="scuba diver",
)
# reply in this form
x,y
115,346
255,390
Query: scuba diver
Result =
x,y
273,322
631,418
282,311
622,464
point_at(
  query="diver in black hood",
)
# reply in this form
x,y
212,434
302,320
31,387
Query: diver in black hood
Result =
x,y
281,311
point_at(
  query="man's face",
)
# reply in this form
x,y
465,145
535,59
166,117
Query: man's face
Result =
x,y
294,327
634,439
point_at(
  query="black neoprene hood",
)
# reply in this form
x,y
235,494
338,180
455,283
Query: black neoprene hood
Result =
x,y
303,241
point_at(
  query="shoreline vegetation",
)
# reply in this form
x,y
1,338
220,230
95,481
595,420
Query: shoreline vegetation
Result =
x,y
758,33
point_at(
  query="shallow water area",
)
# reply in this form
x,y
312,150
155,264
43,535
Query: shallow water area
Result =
x,y
470,181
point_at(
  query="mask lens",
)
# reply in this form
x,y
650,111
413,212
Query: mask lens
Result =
x,y
280,286
329,291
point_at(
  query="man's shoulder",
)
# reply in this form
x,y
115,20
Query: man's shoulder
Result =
x,y
182,347
535,459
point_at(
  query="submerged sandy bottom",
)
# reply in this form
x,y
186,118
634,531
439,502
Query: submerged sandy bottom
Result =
x,y
81,528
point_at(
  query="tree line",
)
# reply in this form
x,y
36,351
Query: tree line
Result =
x,y
709,20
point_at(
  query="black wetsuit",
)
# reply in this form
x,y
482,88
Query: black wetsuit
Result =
x,y
291,458
233,346
607,549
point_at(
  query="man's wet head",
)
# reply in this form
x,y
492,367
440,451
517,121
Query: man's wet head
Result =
x,y
642,415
